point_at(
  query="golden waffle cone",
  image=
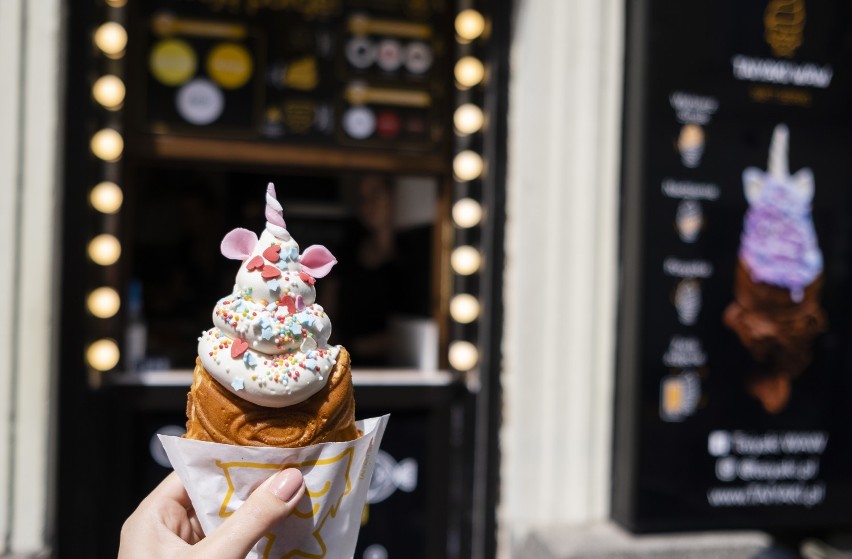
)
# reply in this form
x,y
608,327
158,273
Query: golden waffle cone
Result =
x,y
216,414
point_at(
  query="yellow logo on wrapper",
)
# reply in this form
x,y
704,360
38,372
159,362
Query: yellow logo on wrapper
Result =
x,y
220,477
232,469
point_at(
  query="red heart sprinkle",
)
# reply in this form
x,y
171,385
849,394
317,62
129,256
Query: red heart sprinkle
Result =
x,y
270,272
255,263
238,347
307,278
273,253
288,302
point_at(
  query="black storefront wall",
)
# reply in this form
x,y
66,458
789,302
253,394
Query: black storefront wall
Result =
x,y
734,384
436,505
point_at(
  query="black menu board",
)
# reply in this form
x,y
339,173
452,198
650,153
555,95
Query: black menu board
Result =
x,y
735,381
366,73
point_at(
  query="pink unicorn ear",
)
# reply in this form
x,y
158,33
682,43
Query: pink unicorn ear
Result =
x,y
238,244
317,261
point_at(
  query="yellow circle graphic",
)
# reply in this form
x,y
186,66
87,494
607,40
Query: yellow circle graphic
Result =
x,y
173,62
230,65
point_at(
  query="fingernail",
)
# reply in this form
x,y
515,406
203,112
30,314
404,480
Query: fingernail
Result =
x,y
286,484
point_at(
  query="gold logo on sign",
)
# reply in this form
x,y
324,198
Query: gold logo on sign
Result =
x,y
785,25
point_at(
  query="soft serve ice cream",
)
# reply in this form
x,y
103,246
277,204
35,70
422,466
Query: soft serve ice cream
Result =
x,y
269,344
266,373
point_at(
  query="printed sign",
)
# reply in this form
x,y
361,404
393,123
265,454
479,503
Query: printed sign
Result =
x,y
735,369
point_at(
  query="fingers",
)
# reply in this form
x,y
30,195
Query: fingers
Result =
x,y
273,500
171,488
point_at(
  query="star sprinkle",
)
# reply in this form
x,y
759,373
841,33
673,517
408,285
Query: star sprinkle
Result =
x,y
238,383
273,285
249,359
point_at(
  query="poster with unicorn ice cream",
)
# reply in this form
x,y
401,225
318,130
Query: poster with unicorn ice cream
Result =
x,y
776,312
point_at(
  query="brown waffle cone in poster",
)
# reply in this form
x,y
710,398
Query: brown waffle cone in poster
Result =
x,y
216,414
777,331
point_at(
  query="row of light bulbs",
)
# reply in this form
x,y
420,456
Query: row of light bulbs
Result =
x,y
108,145
106,197
468,165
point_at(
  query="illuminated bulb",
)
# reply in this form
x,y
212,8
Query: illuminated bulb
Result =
x,y
464,308
106,197
111,38
467,165
465,260
103,302
469,24
116,3
107,144
104,250
109,91
467,213
468,119
469,71
463,356
103,354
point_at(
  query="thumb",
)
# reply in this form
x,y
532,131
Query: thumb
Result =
x,y
274,500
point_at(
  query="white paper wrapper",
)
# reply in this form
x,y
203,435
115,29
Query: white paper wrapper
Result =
x,y
219,478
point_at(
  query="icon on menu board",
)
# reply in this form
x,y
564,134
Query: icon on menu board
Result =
x,y
200,102
679,396
785,26
690,145
360,52
230,65
689,220
359,122
389,56
687,301
173,62
418,57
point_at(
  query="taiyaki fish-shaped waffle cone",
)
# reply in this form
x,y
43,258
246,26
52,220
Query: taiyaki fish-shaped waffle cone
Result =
x,y
217,415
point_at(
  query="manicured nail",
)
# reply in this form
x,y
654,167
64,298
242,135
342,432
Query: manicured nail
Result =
x,y
286,484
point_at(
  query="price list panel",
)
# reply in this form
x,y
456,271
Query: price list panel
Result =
x,y
364,73
735,379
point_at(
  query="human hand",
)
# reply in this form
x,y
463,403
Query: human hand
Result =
x,y
164,525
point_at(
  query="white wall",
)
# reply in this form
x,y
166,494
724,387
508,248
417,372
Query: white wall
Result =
x,y
30,77
561,275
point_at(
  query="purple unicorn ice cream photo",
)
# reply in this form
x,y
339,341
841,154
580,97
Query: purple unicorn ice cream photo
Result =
x,y
776,312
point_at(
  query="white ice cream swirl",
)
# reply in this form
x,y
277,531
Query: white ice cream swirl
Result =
x,y
269,344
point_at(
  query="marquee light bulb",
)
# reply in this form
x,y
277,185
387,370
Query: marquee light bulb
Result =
x,y
468,119
469,71
103,354
106,197
111,38
469,24
103,302
465,260
107,144
467,213
109,92
463,356
116,3
467,165
464,308
104,250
